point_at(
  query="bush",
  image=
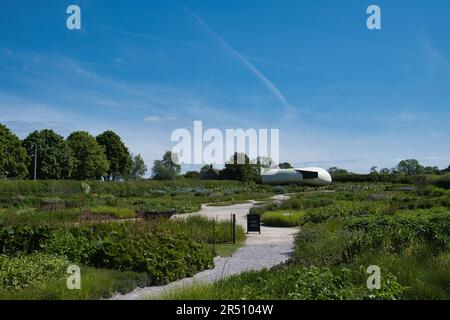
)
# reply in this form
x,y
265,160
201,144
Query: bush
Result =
x,y
200,229
95,284
120,213
281,218
442,181
22,238
343,209
164,250
24,270
293,283
396,233
131,246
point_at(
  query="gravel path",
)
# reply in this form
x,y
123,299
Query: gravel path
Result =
x,y
273,246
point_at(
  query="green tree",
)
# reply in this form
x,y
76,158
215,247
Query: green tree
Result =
x,y
13,157
119,158
409,167
205,168
264,162
138,168
373,170
385,171
431,170
207,172
90,158
241,169
167,168
335,171
285,165
193,175
54,156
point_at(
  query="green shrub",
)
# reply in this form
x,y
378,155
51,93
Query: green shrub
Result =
x,y
324,244
343,209
202,229
163,249
24,270
442,181
120,213
395,233
22,238
130,246
293,283
95,284
281,218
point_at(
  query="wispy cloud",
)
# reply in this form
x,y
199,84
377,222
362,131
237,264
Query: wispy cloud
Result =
x,y
241,58
152,119
436,59
408,116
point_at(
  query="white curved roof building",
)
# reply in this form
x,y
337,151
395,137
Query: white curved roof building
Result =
x,y
311,176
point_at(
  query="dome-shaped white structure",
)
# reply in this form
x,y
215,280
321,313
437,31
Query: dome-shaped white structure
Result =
x,y
311,176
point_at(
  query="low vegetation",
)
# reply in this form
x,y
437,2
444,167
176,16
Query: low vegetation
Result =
x,y
281,218
344,228
41,233
404,231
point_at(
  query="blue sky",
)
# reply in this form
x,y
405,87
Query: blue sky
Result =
x,y
340,94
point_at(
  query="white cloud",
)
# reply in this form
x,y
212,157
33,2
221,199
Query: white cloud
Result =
x,y
436,59
152,119
409,116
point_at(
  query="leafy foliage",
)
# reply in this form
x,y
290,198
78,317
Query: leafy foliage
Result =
x,y
292,283
241,169
24,270
54,156
167,168
119,158
90,159
138,168
13,157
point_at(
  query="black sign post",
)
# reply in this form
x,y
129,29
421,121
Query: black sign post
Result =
x,y
253,223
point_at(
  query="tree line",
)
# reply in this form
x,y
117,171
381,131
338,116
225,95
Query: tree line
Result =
x,y
406,171
44,154
245,171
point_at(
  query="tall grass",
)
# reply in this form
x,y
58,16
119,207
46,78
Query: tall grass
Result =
x,y
95,284
116,212
281,218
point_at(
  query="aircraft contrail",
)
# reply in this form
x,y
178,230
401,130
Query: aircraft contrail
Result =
x,y
240,58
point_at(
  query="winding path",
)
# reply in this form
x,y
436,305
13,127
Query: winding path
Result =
x,y
273,246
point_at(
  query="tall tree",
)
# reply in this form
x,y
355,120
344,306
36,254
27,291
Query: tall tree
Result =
x,y
90,158
335,171
167,168
54,156
374,170
193,175
240,168
410,166
431,170
207,172
13,157
138,168
119,157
